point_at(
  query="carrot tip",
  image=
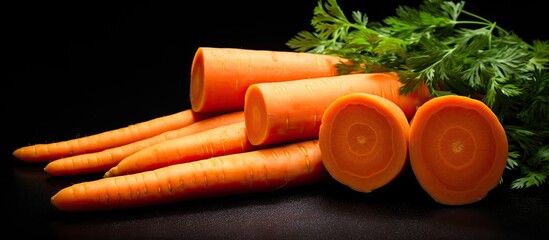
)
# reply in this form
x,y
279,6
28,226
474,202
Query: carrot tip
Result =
x,y
25,154
108,174
16,152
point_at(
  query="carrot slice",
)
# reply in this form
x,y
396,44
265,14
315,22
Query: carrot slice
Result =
x,y
364,141
458,149
220,76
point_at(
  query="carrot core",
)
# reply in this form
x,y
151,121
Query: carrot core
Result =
x,y
361,143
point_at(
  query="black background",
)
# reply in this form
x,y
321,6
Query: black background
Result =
x,y
75,69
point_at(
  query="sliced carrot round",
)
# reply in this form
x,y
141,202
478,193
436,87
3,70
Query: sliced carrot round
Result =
x,y
256,117
364,141
458,149
197,89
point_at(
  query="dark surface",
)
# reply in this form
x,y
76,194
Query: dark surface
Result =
x,y
80,69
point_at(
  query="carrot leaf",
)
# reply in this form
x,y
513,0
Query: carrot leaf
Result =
x,y
536,171
453,51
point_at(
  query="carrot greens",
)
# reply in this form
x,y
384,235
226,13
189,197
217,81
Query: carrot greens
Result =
x,y
452,51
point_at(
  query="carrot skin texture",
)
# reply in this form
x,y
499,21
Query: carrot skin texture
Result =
x,y
108,158
278,112
108,139
285,166
220,76
222,140
364,141
458,149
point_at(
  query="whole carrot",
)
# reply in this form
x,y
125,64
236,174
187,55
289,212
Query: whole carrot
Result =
x,y
220,76
108,139
108,158
277,112
458,149
255,171
222,140
364,141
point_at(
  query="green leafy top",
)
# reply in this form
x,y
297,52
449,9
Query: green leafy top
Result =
x,y
452,51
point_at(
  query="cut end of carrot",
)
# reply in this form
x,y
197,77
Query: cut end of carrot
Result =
x,y
255,116
458,149
197,85
364,141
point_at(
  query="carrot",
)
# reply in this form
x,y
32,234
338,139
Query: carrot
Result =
x,y
108,139
364,141
108,158
220,76
278,112
222,140
254,171
458,149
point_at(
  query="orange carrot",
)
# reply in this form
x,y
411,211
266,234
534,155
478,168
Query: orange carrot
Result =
x,y
108,158
364,141
254,171
278,112
222,140
108,139
458,149
220,76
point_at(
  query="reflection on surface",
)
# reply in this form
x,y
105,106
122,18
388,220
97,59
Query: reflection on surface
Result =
x,y
464,222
